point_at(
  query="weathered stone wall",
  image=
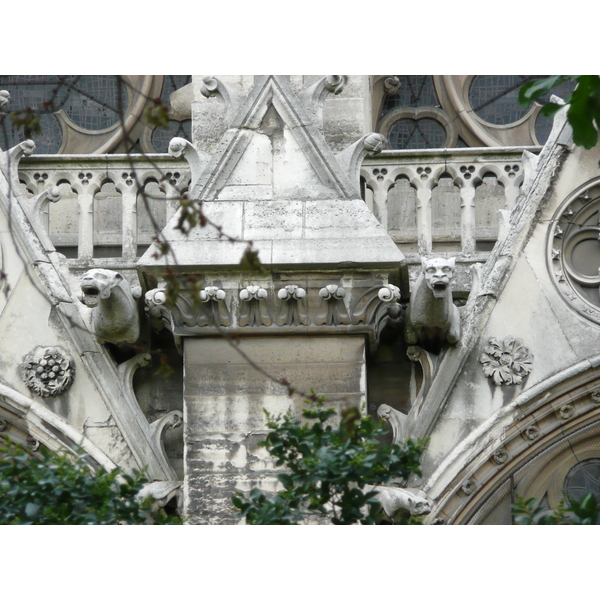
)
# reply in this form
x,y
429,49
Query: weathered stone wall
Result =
x,y
225,398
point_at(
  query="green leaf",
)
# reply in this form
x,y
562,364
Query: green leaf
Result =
x,y
286,480
327,467
532,90
550,109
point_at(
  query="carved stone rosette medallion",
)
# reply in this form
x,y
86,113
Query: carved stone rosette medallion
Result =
x,y
574,250
48,371
507,361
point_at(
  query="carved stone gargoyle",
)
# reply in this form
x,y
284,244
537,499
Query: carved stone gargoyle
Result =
x,y
432,318
401,501
115,316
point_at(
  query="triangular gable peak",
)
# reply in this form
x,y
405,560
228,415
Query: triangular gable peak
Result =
x,y
273,150
275,182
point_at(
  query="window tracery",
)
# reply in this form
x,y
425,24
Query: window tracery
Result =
x,y
85,114
474,110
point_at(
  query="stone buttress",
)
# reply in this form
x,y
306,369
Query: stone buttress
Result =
x,y
308,316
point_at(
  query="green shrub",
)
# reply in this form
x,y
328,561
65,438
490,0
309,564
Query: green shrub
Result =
x,y
327,468
569,511
43,488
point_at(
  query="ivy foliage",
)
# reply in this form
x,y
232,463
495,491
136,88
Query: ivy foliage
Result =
x,y
583,113
44,488
569,511
326,468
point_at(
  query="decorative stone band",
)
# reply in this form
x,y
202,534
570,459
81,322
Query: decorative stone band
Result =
x,y
332,310
286,307
290,292
48,371
254,311
540,417
212,293
253,292
332,292
292,312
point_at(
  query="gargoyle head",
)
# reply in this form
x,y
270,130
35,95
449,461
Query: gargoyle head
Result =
x,y
97,285
438,272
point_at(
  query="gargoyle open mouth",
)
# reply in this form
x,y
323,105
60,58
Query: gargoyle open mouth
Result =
x,y
90,290
91,295
439,289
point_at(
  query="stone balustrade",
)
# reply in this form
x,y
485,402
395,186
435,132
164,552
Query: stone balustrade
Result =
x,y
430,201
111,207
443,200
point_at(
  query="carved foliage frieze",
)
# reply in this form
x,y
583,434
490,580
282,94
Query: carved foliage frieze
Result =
x,y
292,310
213,309
48,371
332,310
254,310
288,306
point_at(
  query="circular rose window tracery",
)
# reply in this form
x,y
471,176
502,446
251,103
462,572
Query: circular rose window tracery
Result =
x,y
574,250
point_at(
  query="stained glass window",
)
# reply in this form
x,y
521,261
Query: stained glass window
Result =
x,y
93,102
44,95
162,136
495,98
414,90
583,478
416,133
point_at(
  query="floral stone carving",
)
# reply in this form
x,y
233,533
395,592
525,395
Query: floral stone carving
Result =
x,y
48,371
507,361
